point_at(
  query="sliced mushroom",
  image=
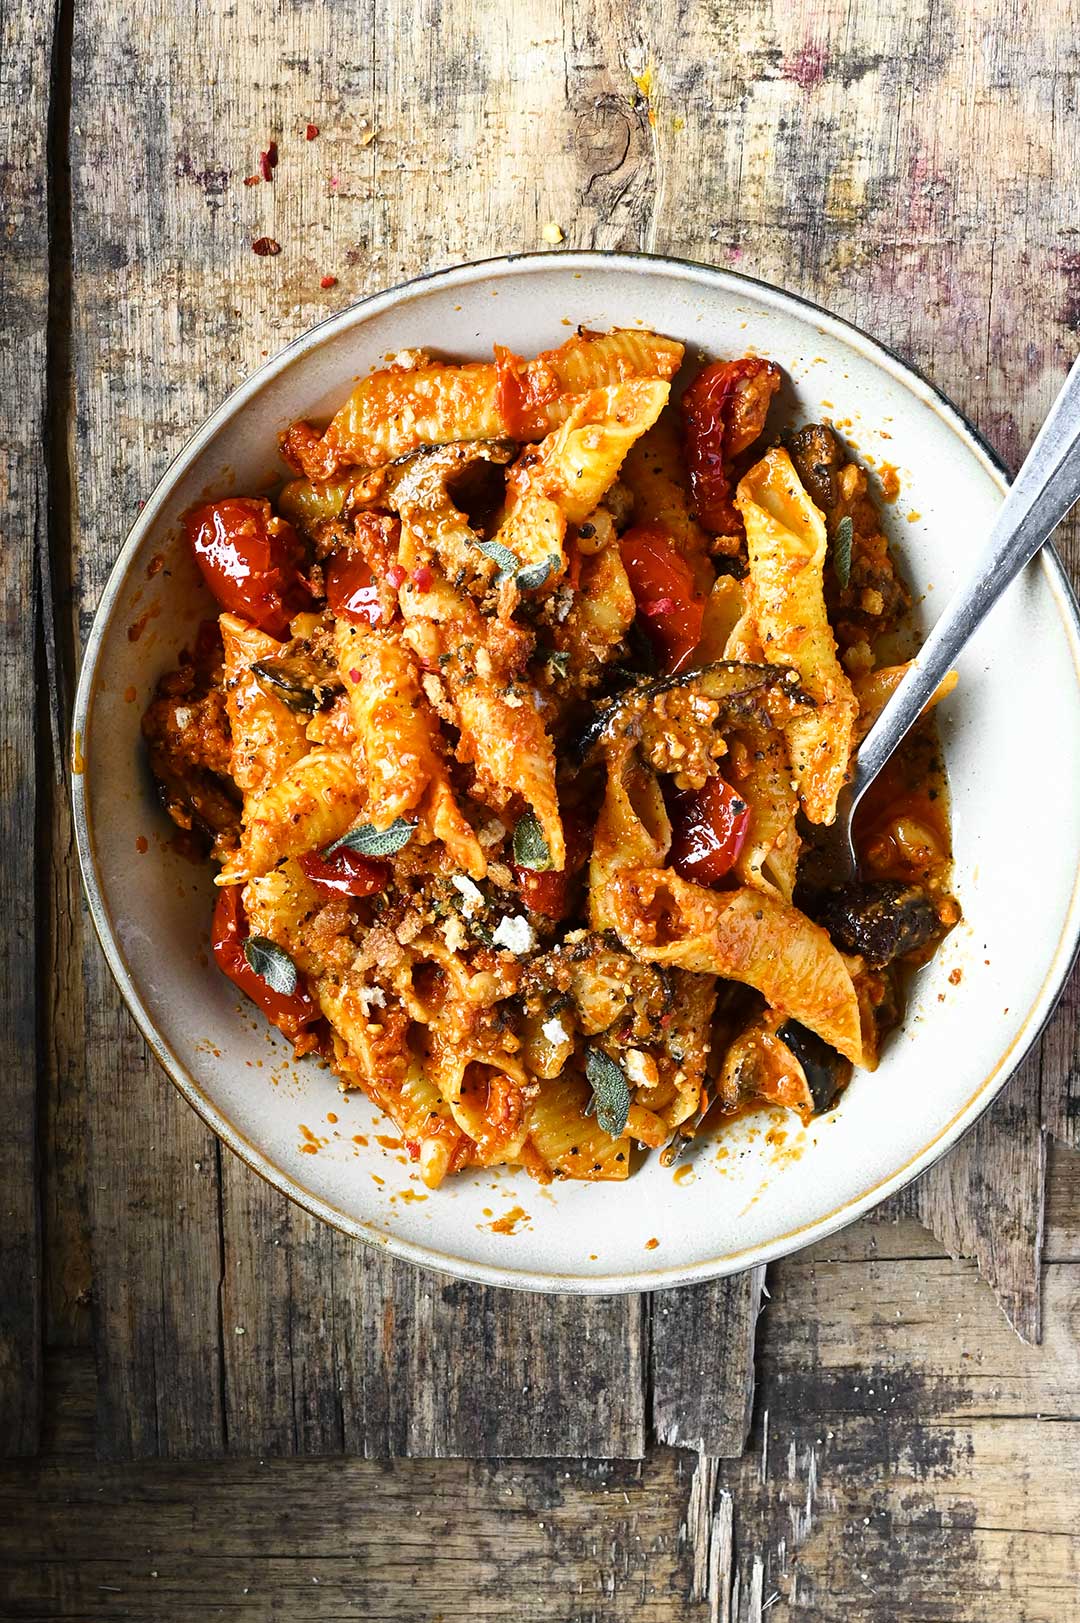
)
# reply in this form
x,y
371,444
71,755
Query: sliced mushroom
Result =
x,y
881,920
300,680
827,1073
765,694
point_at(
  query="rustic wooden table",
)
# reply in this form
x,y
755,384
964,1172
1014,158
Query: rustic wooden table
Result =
x,y
911,1451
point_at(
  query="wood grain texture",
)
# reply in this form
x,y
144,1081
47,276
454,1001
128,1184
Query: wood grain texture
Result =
x,y
25,51
367,214
702,1364
902,167
391,1361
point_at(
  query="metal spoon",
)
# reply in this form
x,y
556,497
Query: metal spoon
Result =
x,y
1042,493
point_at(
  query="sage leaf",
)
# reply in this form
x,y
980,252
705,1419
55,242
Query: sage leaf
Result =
x,y
557,658
530,846
845,532
611,1092
509,563
375,842
271,963
533,576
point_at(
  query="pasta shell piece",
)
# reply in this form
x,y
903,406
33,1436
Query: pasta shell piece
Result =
x,y
570,1142
312,804
632,831
266,735
655,473
489,1094
742,935
769,858
404,773
574,467
786,541
602,612
394,411
510,748
278,905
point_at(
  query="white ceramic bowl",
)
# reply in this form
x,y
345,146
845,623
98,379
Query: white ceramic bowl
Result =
x,y
1012,744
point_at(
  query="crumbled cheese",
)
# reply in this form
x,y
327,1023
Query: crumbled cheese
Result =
x,y
555,1031
513,700
472,895
639,1067
516,934
491,833
406,360
370,997
553,233
182,717
483,663
564,602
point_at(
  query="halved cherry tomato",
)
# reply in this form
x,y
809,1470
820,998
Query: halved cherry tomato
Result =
x,y
663,587
228,933
709,829
346,872
249,568
351,591
724,411
547,892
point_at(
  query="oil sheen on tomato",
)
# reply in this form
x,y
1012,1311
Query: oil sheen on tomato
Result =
x,y
709,829
249,566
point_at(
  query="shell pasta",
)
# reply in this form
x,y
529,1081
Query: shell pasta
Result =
x,y
516,741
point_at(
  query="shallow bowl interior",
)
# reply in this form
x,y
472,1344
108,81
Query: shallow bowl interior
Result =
x,y
767,1185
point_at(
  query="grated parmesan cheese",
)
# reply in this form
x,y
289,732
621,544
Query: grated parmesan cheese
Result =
x,y
555,1031
516,935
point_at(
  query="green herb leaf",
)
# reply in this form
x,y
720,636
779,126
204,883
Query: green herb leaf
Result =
x,y
509,563
375,842
271,963
611,1092
557,658
845,532
530,846
534,575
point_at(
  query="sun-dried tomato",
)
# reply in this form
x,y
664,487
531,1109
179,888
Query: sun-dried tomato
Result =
x,y
265,245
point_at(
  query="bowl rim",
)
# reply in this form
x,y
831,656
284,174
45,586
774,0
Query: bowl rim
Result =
x,y
355,314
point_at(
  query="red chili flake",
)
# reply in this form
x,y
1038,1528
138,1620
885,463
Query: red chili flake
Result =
x,y
251,180
328,281
659,605
265,245
421,578
268,161
311,132
666,1019
354,675
395,576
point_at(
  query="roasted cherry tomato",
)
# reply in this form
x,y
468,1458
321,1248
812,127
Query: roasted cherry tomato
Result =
x,y
550,893
346,872
709,828
228,933
663,587
351,592
249,567
724,411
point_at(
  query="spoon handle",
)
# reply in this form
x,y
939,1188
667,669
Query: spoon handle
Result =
x,y
1040,496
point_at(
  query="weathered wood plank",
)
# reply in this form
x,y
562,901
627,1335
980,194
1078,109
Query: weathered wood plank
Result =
x,y
394,1361
986,1199
702,1363
25,52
